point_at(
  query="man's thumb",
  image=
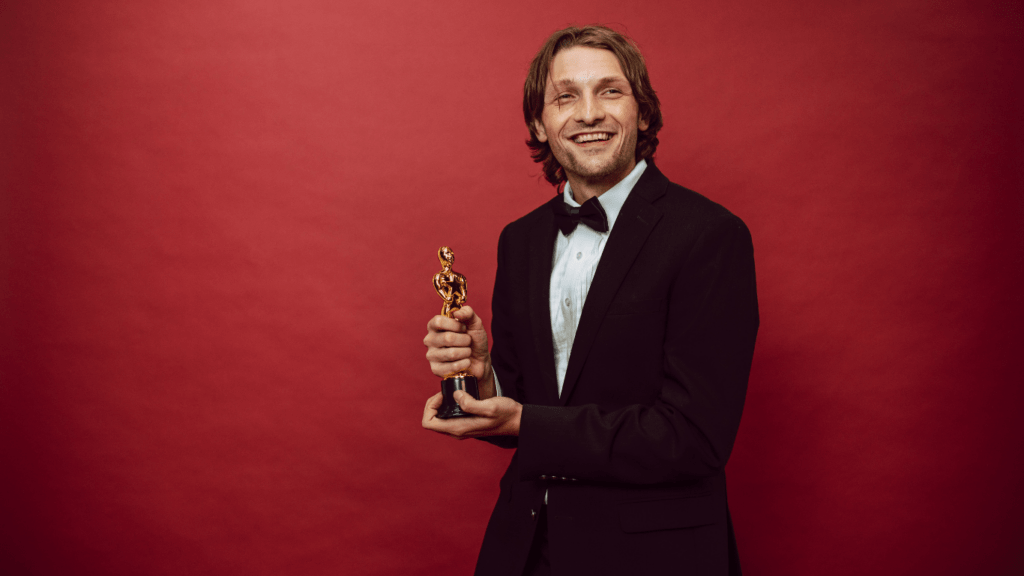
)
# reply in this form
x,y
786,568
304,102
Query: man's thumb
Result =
x,y
468,316
465,400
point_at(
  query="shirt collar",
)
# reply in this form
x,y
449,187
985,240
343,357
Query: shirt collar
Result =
x,y
615,197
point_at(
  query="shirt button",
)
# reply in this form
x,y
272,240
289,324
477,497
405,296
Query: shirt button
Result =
x,y
579,255
567,301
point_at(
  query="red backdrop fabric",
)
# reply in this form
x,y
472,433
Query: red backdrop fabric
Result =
x,y
219,225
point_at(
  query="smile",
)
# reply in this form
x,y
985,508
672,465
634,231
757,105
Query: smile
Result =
x,y
591,137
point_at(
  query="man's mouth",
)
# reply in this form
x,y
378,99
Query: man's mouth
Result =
x,y
592,137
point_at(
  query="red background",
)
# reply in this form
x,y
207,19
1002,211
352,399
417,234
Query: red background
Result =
x,y
219,223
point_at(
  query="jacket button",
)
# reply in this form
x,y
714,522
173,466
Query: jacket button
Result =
x,y
533,514
543,477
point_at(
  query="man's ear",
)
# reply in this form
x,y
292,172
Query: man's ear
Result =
x,y
643,124
539,131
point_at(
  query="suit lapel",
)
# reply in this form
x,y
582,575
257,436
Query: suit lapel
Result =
x,y
542,251
634,223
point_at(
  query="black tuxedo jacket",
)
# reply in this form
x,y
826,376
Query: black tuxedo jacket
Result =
x,y
632,454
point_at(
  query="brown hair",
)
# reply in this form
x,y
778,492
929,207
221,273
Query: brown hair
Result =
x,y
634,68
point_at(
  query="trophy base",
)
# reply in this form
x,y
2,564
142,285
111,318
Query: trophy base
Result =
x,y
449,407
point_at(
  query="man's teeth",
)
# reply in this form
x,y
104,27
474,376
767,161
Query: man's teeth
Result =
x,y
581,138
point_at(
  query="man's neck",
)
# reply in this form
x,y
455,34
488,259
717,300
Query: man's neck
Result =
x,y
583,189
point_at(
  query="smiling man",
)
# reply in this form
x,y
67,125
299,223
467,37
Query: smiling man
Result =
x,y
590,119
624,320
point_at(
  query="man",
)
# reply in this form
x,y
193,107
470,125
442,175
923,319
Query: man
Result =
x,y
624,320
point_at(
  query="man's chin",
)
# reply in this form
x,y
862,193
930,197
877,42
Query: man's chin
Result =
x,y
607,173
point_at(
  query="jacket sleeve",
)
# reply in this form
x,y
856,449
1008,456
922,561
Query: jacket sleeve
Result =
x,y
503,357
689,430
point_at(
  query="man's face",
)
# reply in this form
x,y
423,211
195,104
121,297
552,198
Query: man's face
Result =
x,y
590,118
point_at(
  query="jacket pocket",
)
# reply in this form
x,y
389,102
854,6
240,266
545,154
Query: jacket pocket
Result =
x,y
669,514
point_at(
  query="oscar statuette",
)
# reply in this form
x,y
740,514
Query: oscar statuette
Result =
x,y
451,287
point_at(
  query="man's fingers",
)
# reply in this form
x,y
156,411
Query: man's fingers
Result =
x,y
434,402
461,428
446,333
444,324
448,354
445,368
443,339
489,417
430,409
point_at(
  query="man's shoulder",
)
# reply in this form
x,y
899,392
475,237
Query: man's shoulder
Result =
x,y
683,204
675,201
538,216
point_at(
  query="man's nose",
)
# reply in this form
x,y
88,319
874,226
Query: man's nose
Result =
x,y
589,110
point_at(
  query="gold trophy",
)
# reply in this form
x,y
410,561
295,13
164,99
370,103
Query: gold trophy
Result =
x,y
451,287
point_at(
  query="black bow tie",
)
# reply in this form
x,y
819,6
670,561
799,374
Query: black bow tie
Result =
x,y
590,213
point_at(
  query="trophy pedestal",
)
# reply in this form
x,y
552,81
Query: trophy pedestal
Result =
x,y
449,407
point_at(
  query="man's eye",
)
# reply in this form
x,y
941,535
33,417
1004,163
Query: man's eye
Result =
x,y
564,96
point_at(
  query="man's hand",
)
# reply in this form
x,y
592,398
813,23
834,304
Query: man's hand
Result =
x,y
492,417
460,343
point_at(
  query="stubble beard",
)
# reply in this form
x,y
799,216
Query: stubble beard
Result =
x,y
615,168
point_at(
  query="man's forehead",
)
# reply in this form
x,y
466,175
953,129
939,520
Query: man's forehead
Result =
x,y
584,65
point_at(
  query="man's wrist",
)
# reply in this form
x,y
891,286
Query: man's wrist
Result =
x,y
487,386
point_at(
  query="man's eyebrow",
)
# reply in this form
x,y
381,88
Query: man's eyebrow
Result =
x,y
569,82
